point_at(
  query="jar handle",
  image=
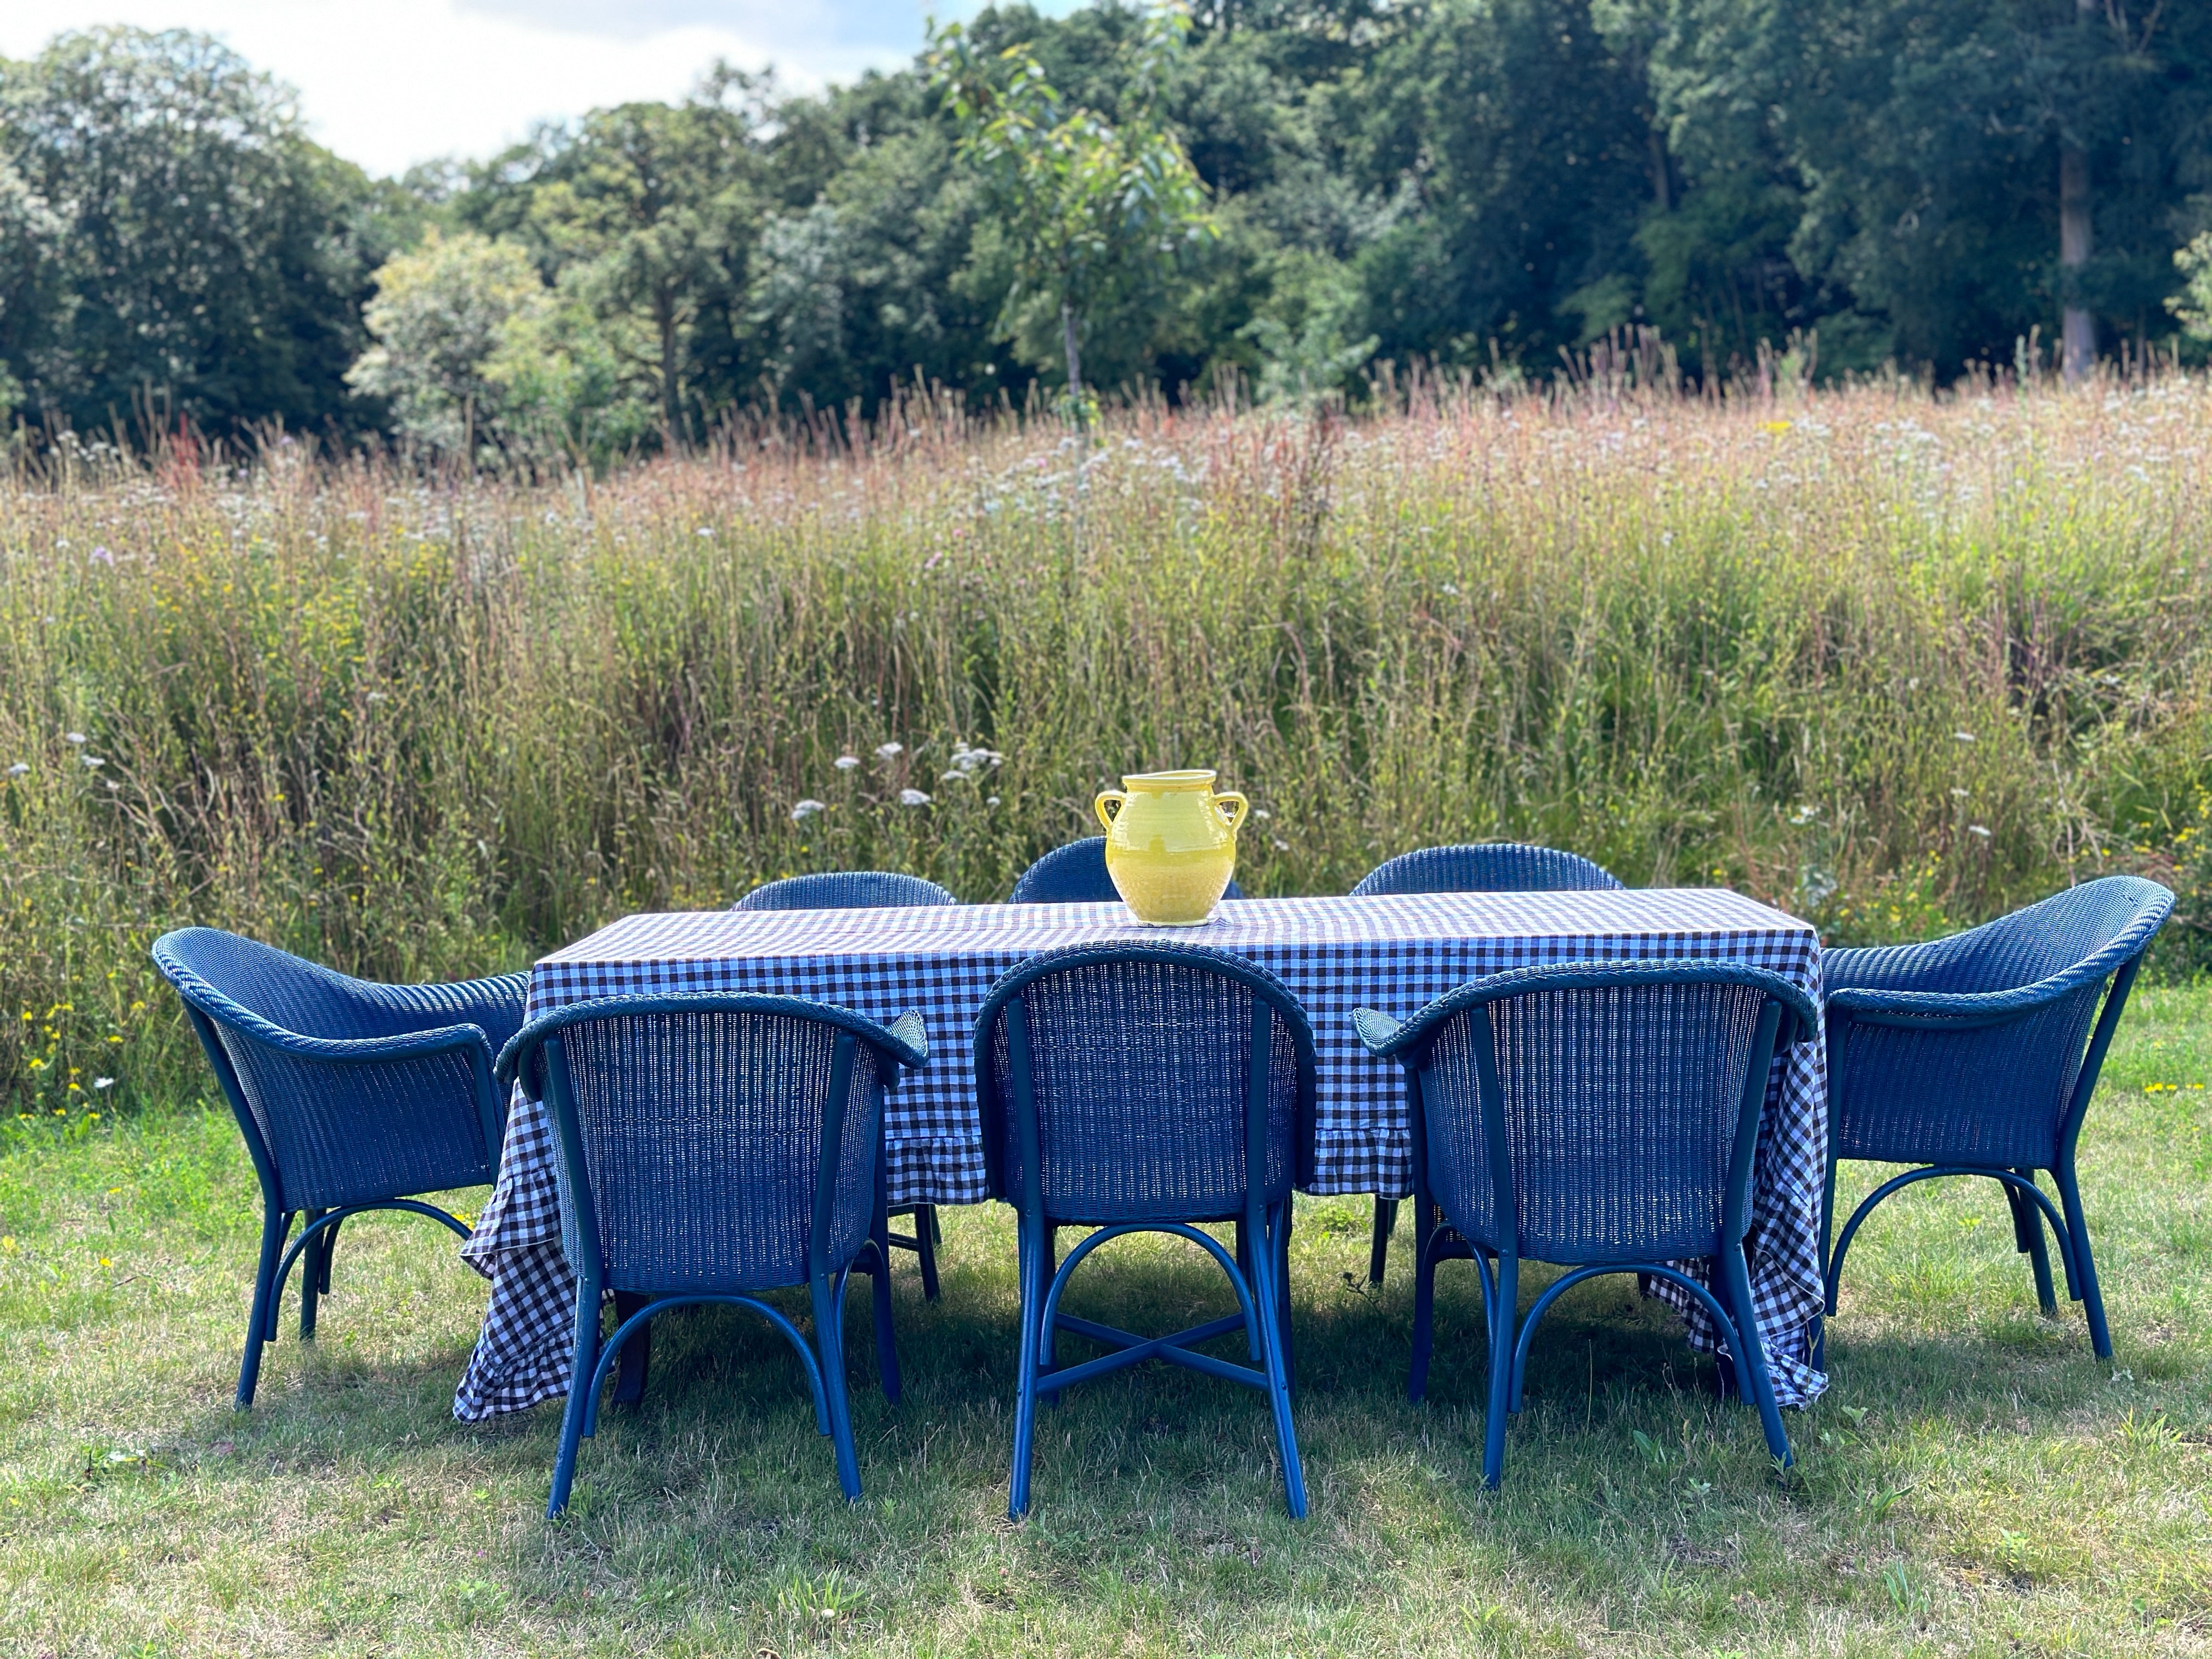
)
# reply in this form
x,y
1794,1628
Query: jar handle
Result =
x,y
1230,797
1120,800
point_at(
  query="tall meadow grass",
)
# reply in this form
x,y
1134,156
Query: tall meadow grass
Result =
x,y
1892,662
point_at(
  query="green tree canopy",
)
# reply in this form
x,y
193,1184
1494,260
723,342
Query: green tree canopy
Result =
x,y
197,253
1086,205
444,317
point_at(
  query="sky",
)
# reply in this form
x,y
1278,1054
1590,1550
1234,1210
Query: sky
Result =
x,y
390,82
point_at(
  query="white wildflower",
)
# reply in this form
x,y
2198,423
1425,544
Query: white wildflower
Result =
x,y
93,761
19,769
804,810
1959,794
74,737
103,1083
913,798
990,800
954,777
1977,829
1964,737
1261,813
890,751
846,762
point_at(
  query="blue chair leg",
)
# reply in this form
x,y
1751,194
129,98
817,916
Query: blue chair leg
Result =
x,y
2028,1238
1379,1251
1047,1336
329,1250
1751,1370
584,1358
637,1353
310,1277
887,1365
1034,1251
925,1236
1424,1320
1501,1371
1274,1328
830,1342
326,1255
274,1225
1283,1295
1252,1349
1485,1268
2085,1286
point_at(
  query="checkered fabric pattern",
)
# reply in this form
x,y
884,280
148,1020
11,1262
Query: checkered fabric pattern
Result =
x,y
1392,954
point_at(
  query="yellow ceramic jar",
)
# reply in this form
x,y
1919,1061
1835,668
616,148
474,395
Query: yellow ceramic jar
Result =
x,y
1171,844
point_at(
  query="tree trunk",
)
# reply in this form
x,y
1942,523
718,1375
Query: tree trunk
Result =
x,y
2078,326
1074,356
1661,192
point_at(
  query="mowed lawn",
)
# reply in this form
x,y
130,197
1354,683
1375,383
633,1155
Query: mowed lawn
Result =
x,y
1975,1483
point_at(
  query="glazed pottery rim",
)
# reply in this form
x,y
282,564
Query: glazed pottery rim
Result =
x,y
1186,778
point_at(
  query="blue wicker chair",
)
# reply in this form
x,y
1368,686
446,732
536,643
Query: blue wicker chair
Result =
x,y
1142,1089
1967,1056
1496,866
1076,874
1604,1117
864,890
711,1147
845,889
351,1095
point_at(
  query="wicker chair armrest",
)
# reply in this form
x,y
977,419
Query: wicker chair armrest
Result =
x,y
360,1051
498,995
221,1009
1895,1004
1959,1011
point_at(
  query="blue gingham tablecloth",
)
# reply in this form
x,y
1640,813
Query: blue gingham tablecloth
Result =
x,y
1392,954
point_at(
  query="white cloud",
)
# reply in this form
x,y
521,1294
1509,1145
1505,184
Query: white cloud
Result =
x,y
391,82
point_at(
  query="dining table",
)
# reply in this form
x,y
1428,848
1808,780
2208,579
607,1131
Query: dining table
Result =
x,y
1392,953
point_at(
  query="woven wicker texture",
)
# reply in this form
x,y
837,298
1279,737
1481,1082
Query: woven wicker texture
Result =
x,y
845,889
1138,1058
701,1137
1076,874
346,1116
1621,1107
1490,867
1956,1090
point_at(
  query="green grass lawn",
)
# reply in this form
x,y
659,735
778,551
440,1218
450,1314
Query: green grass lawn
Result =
x,y
1975,1482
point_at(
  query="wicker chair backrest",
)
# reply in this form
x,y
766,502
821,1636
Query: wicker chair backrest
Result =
x,y
845,889
1997,1093
1622,1105
1486,867
701,1134
1076,874
345,1129
1139,1065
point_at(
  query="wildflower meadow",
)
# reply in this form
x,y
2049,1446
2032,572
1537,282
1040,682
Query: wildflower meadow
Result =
x,y
1892,661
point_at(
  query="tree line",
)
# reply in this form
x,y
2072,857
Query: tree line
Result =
x,y
1279,194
